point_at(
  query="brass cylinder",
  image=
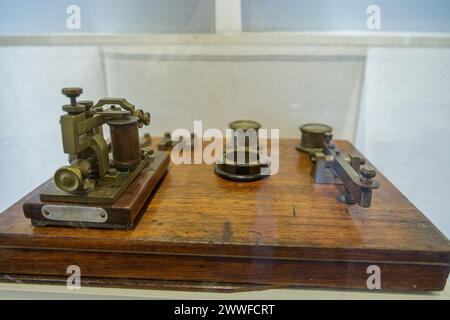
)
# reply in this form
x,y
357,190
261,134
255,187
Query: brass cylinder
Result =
x,y
73,178
125,143
245,126
313,137
242,158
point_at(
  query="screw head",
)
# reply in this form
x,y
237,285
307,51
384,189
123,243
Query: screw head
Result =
x,y
87,103
146,118
112,171
368,172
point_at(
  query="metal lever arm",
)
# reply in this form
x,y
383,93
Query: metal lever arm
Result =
x,y
357,188
332,167
144,117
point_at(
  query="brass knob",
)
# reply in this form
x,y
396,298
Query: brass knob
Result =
x,y
68,179
72,92
74,178
73,107
367,173
144,117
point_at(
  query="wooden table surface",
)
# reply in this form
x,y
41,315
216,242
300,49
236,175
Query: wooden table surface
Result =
x,y
284,217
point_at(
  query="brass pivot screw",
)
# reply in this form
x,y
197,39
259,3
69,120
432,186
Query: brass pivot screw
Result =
x,y
73,94
367,173
144,118
87,103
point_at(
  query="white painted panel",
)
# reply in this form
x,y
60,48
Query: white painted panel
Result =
x,y
405,124
280,91
31,79
332,15
228,16
24,17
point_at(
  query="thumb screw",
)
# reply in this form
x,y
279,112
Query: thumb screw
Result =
x,y
72,93
367,174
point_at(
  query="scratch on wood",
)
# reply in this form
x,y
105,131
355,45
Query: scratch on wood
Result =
x,y
294,213
227,232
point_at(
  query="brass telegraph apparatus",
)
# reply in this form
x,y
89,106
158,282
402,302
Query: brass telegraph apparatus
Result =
x,y
98,172
83,141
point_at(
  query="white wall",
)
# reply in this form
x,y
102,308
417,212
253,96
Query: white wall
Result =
x,y
332,15
404,127
24,17
31,79
279,87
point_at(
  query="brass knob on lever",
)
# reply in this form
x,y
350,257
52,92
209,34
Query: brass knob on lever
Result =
x,y
73,94
367,174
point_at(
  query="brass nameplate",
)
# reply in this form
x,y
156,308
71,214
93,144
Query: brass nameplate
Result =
x,y
74,213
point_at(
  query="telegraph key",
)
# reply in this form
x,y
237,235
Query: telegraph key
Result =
x,y
332,167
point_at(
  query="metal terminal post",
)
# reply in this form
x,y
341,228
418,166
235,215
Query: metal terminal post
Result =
x,y
331,167
166,143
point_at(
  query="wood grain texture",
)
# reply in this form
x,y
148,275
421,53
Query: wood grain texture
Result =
x,y
279,231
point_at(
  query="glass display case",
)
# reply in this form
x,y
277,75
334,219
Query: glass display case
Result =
x,y
342,187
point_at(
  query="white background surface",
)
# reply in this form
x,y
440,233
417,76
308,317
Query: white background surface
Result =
x,y
404,124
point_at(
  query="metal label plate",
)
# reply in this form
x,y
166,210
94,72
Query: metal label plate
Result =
x,y
74,213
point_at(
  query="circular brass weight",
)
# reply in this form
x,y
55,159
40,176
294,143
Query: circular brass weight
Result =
x,y
313,137
242,163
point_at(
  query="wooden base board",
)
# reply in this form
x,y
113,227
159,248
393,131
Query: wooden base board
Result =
x,y
199,286
282,231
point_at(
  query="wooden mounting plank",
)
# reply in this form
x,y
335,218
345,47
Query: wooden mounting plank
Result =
x,y
279,232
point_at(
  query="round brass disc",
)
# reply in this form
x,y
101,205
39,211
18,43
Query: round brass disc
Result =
x,y
245,125
68,179
235,171
315,128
